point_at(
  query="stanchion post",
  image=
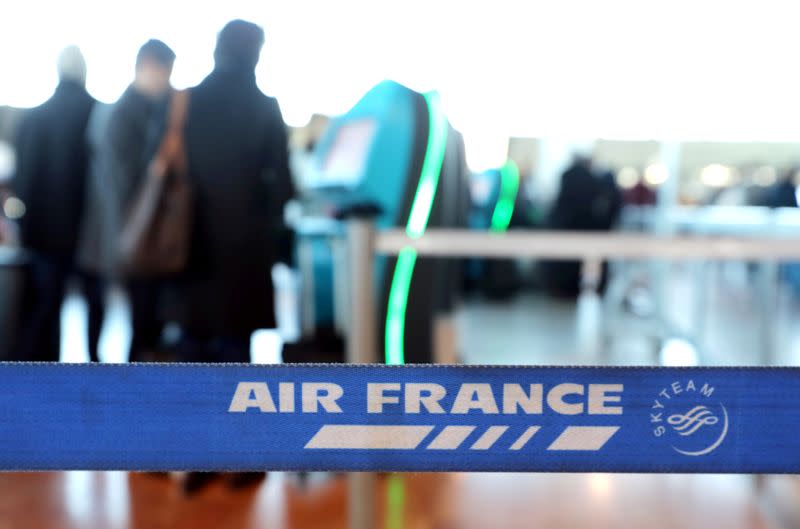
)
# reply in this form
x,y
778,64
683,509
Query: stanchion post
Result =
x,y
768,286
361,349
361,343
589,310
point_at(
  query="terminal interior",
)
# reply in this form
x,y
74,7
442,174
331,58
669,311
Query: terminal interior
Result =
x,y
686,118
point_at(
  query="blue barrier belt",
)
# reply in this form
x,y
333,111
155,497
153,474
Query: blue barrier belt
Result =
x,y
399,418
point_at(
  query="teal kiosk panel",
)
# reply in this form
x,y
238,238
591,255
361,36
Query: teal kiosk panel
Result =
x,y
395,150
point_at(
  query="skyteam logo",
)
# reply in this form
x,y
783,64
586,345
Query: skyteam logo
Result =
x,y
690,418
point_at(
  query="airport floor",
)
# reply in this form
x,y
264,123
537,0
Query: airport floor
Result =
x,y
116,500
528,329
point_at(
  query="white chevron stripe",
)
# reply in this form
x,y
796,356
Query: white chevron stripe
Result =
x,y
450,438
520,443
489,437
590,438
358,437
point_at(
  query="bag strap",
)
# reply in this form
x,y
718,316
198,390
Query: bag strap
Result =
x,y
171,151
179,106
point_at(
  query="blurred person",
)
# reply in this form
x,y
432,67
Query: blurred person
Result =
x,y
588,200
125,138
783,193
95,234
640,194
50,179
607,200
238,167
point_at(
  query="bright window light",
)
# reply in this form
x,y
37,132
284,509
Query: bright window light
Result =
x,y
656,174
265,347
627,177
677,352
519,63
716,175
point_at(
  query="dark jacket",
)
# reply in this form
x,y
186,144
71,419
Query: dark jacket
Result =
x,y
123,139
237,148
783,195
52,160
586,200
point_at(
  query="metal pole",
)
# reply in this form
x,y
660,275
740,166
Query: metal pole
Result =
x,y
768,287
361,343
305,258
700,273
361,348
589,311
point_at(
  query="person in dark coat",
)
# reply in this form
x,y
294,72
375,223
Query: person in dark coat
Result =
x,y
135,129
50,178
125,138
237,149
588,200
238,167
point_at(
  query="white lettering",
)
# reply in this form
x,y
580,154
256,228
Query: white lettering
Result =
x,y
260,399
707,390
376,398
475,397
415,399
321,393
514,395
286,397
555,399
599,396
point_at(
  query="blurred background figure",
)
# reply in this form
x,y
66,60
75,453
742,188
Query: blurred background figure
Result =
x,y
784,193
50,179
640,194
96,241
237,148
125,139
588,200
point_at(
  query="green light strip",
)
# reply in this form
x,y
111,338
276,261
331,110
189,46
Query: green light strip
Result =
x,y
415,227
431,168
398,300
509,186
395,501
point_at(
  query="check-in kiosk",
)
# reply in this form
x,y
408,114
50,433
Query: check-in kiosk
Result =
x,y
396,154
